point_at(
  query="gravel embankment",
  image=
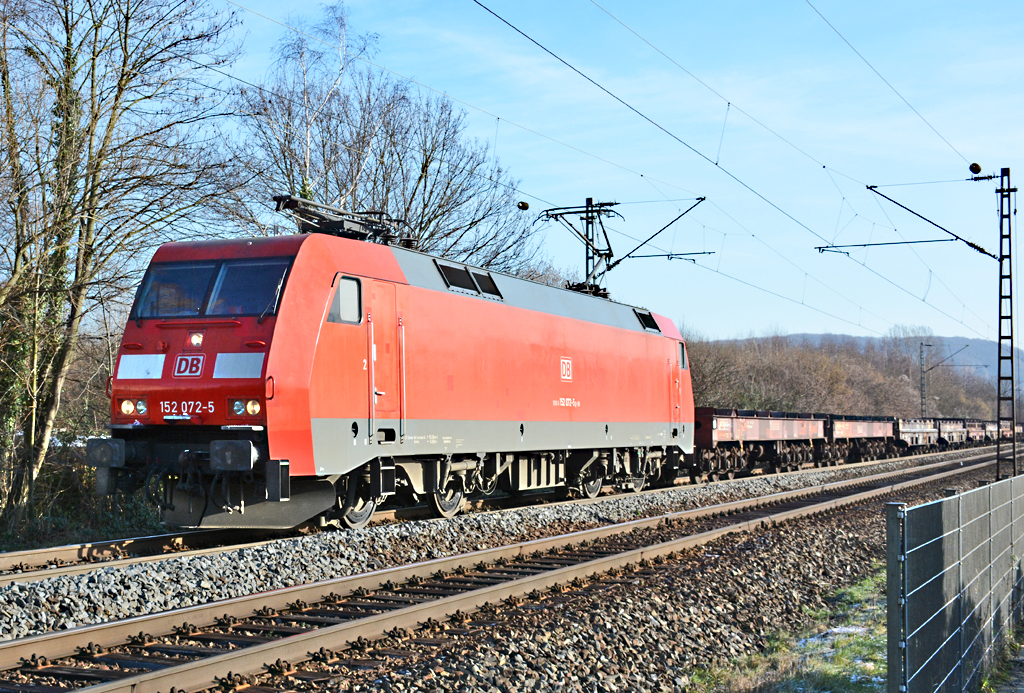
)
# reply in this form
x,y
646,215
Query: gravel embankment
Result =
x,y
117,593
709,606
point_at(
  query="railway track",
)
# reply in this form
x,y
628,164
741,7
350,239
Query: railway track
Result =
x,y
497,504
38,564
269,632
73,559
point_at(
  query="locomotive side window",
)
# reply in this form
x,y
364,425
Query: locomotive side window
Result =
x,y
457,277
647,320
486,284
174,290
463,279
682,356
346,306
250,287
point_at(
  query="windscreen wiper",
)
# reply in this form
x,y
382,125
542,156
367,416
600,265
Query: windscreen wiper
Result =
x,y
273,301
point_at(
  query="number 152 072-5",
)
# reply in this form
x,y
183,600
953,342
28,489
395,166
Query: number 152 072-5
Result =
x,y
186,407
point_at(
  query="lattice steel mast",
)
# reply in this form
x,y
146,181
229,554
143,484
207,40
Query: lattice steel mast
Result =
x,y
1005,401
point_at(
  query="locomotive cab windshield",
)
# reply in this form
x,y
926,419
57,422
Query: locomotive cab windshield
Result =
x,y
249,287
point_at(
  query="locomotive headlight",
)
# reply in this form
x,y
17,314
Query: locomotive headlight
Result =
x,y
252,407
140,407
127,407
238,407
195,339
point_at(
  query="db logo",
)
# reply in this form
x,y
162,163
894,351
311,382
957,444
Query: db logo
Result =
x,y
189,365
566,369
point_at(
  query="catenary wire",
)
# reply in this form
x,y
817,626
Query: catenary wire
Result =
x,y
233,77
703,156
649,120
263,88
471,106
828,170
791,261
937,277
717,93
931,272
757,287
269,91
646,178
831,26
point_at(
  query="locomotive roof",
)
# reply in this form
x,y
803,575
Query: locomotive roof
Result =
x,y
183,251
422,270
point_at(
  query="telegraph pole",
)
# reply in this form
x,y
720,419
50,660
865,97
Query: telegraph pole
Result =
x,y
924,383
1005,404
926,371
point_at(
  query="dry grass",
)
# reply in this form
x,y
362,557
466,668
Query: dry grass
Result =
x,y
844,653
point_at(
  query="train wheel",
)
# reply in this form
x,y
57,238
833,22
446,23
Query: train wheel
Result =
x,y
359,514
448,503
591,488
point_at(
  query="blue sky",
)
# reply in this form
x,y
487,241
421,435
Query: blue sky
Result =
x,y
959,64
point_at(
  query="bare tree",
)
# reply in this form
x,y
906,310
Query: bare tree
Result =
x,y
109,147
832,375
713,369
324,128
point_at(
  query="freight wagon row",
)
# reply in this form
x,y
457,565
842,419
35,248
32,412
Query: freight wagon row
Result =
x,y
731,441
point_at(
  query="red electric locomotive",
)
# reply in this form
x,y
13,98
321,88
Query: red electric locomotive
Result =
x,y
265,382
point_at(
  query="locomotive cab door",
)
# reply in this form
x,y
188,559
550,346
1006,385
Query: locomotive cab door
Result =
x,y
676,365
385,369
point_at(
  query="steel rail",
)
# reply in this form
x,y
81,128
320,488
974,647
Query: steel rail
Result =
x,y
201,674
83,558
37,564
100,550
10,560
59,644
79,568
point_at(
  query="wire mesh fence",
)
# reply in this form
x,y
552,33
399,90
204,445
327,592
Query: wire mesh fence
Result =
x,y
954,586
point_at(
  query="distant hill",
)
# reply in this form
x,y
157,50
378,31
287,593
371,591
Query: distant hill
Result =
x,y
979,351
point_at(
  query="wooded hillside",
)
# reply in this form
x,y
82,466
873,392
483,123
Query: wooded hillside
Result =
x,y
837,375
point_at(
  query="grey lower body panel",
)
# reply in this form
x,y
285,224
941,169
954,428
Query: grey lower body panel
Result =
x,y
337,451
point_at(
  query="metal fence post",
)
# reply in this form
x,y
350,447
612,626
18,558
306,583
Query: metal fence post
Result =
x,y
960,589
1013,562
895,557
993,633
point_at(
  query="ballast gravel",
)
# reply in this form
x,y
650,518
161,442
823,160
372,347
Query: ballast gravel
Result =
x,y
108,594
652,629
